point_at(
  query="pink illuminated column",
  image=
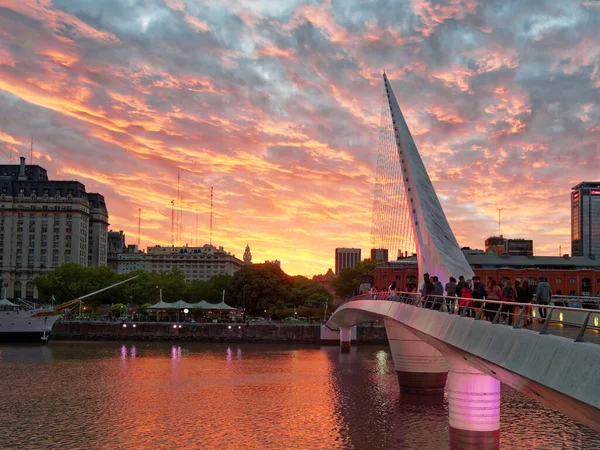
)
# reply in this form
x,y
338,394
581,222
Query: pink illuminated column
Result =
x,y
345,339
474,404
421,369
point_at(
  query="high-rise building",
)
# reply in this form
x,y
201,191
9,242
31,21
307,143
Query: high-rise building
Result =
x,y
98,231
379,254
585,219
116,246
346,257
502,246
44,224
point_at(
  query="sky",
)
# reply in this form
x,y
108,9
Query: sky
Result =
x,y
276,105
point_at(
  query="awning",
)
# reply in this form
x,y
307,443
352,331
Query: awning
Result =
x,y
6,302
180,304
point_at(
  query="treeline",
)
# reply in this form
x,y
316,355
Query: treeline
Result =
x,y
349,279
256,287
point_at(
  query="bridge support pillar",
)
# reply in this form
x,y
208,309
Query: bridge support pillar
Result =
x,y
345,339
474,407
421,369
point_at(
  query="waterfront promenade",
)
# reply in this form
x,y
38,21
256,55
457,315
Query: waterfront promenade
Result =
x,y
267,332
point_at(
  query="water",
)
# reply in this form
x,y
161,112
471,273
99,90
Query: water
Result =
x,y
156,395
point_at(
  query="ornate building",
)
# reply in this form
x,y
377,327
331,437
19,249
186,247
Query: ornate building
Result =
x,y
326,281
247,255
44,224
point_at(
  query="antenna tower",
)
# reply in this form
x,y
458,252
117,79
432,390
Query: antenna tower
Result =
x,y
211,207
178,199
139,225
172,222
196,230
31,151
499,220
181,236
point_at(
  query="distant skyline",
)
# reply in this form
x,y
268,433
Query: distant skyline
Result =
x,y
277,106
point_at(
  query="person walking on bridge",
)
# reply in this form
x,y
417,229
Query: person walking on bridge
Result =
x,y
543,295
525,295
427,289
478,293
492,292
438,289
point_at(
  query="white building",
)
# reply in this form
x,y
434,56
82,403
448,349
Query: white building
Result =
x,y
44,224
197,263
131,260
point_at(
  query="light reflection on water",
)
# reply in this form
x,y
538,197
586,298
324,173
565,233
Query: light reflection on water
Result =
x,y
152,395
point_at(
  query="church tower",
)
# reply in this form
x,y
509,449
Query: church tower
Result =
x,y
247,255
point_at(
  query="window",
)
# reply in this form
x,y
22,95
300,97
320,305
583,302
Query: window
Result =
x,y
572,281
559,280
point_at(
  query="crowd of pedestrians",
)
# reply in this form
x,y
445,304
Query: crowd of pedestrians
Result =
x,y
471,294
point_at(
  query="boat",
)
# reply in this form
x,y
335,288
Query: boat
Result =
x,y
24,321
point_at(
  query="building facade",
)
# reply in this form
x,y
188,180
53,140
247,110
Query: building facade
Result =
x,y
346,257
379,254
116,246
585,219
247,255
197,263
326,280
580,275
130,260
275,262
501,246
43,224
98,231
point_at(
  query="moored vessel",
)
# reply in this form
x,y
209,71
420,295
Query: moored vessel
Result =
x,y
24,321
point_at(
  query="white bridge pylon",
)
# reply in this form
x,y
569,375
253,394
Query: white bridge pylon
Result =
x,y
438,252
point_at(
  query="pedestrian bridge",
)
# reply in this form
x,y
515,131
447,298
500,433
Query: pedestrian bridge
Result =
x,y
436,347
557,363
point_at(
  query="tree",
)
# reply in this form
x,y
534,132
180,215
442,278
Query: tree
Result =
x,y
71,281
308,293
349,279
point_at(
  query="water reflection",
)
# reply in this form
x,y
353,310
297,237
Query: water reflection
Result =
x,y
176,352
25,352
245,396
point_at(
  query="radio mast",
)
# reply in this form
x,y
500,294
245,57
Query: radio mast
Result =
x,y
172,221
139,226
178,209
211,214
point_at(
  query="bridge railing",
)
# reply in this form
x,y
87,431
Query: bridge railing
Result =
x,y
580,323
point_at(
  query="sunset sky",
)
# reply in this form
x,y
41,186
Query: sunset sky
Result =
x,y
277,105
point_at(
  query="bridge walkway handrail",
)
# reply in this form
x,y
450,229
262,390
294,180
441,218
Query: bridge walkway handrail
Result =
x,y
570,322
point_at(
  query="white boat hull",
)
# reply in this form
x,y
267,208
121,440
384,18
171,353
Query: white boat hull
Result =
x,y
27,325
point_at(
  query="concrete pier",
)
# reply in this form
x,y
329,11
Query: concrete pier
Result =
x,y
421,369
345,339
474,407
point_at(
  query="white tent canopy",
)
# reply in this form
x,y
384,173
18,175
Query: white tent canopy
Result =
x,y
180,304
6,302
222,305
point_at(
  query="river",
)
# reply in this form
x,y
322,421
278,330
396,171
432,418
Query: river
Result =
x,y
103,395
